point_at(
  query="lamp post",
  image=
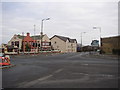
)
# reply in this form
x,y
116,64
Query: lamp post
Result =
x,y
42,30
81,39
100,43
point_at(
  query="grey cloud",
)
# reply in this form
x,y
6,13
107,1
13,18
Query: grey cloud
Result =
x,y
68,19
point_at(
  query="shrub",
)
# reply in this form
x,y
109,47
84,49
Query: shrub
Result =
x,y
116,51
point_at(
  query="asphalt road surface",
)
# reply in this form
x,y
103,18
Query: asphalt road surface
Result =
x,y
72,70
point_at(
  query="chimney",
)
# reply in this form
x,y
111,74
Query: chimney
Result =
x,y
28,34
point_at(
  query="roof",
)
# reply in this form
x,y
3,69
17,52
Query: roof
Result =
x,y
64,38
111,37
72,40
37,37
20,36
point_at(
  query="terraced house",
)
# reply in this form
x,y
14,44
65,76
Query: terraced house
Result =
x,y
64,44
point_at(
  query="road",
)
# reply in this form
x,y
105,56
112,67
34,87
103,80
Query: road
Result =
x,y
72,70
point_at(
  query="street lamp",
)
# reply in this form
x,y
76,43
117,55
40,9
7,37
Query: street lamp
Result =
x,y
81,39
100,36
42,29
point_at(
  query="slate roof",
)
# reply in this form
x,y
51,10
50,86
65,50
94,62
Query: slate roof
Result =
x,y
36,37
64,38
20,36
72,40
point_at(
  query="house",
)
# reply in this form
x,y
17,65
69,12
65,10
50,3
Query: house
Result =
x,y
46,44
64,44
8,49
16,41
15,44
29,44
3,48
110,45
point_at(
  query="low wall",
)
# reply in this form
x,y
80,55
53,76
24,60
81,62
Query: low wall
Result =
x,y
43,52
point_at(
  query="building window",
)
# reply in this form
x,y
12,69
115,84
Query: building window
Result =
x,y
43,44
50,43
17,43
38,45
46,44
34,44
12,43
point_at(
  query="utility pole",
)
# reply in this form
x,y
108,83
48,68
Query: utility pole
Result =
x,y
41,33
81,39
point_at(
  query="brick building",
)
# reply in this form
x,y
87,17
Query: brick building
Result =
x,y
29,43
111,45
46,44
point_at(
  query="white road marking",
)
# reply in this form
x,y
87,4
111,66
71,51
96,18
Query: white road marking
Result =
x,y
81,73
46,77
59,70
85,64
28,84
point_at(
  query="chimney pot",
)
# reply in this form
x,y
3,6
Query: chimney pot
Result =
x,y
28,34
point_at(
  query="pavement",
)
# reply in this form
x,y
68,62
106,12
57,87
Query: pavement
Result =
x,y
69,70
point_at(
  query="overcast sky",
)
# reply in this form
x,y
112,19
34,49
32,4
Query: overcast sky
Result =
x,y
66,19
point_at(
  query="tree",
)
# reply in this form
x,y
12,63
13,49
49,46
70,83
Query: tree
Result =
x,y
27,47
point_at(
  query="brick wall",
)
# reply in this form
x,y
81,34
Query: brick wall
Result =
x,y
110,43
